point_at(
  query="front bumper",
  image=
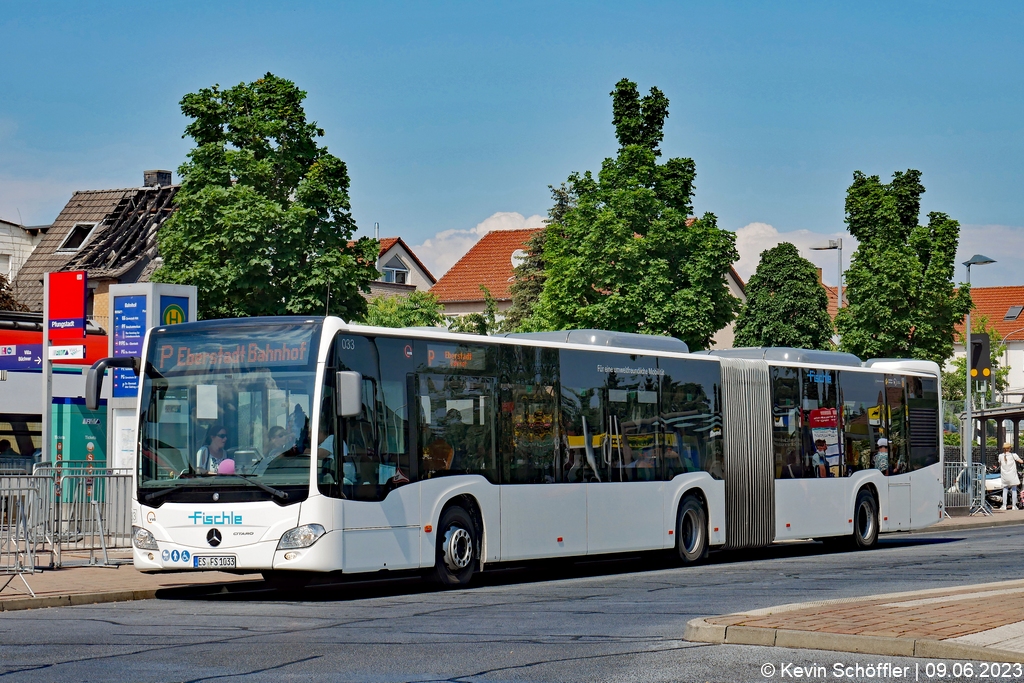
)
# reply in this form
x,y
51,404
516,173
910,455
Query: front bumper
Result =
x,y
323,556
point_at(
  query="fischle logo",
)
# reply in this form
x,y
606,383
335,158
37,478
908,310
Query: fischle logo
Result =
x,y
219,518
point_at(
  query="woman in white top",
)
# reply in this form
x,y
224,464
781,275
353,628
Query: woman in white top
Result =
x,y
213,451
1008,472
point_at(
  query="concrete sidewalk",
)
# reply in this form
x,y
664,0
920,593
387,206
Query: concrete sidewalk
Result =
x,y
971,622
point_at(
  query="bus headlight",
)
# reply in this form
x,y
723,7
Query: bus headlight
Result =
x,y
300,537
143,539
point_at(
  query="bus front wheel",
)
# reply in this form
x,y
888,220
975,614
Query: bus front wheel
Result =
x,y
457,542
865,520
692,531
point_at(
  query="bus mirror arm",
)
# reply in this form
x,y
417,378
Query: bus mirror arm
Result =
x,y
94,380
349,394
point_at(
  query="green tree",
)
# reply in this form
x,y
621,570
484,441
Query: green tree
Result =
x,y
626,254
7,300
479,323
786,304
954,381
418,309
902,302
263,221
529,276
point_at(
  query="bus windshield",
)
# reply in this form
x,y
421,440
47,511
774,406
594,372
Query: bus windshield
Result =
x,y
226,410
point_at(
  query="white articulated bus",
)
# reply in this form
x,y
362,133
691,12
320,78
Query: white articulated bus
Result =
x,y
296,445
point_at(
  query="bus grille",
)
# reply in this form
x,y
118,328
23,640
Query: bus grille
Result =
x,y
749,462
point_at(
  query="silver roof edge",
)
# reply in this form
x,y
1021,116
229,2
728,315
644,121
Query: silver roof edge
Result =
x,y
790,355
623,340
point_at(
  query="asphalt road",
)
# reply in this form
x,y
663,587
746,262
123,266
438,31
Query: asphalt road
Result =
x,y
621,620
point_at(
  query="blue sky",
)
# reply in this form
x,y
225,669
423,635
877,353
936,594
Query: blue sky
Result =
x,y
448,114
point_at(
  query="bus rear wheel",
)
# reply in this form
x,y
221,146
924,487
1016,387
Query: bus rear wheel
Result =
x,y
692,531
455,557
865,520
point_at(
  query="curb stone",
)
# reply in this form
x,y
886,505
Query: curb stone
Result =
x,y
17,604
700,631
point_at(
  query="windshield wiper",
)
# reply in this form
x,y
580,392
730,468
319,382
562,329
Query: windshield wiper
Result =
x,y
161,493
247,478
276,493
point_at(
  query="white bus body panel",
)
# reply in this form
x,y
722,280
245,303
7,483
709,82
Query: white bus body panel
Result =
x,y
625,516
809,508
381,534
927,496
543,520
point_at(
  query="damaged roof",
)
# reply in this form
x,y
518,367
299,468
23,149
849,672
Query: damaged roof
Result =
x,y
120,243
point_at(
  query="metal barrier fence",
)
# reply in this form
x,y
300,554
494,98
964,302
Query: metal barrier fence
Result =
x,y
962,489
18,529
62,515
91,512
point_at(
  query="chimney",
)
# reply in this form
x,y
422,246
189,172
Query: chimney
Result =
x,y
156,178
820,282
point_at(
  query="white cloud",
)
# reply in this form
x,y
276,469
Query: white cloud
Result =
x,y
754,238
443,250
1004,243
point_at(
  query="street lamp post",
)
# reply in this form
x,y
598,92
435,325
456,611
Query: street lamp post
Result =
x,y
835,244
968,440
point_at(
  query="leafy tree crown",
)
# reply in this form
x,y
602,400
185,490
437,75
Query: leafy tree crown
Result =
x,y
263,224
786,303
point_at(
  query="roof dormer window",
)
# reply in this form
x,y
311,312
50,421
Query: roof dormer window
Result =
x,y
77,237
396,271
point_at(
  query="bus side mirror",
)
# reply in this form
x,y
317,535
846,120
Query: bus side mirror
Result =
x,y
349,394
94,380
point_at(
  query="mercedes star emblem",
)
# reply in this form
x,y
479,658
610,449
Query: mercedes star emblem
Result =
x,y
213,538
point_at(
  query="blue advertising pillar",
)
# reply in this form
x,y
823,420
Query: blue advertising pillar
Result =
x,y
135,308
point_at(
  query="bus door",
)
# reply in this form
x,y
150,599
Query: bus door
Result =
x,y
379,513
899,456
543,507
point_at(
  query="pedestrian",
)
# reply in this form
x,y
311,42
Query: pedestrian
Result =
x,y
1008,472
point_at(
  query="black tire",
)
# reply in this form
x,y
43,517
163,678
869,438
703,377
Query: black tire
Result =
x,y
865,520
455,557
692,531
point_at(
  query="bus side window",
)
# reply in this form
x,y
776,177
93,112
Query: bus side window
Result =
x,y
923,420
529,379
786,423
691,417
820,412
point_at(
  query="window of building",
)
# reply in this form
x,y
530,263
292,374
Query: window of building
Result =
x,y
77,237
396,271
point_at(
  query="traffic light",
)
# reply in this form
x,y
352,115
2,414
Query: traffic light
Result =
x,y
981,357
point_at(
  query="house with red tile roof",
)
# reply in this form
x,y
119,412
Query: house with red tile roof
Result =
x,y
401,271
1004,308
491,263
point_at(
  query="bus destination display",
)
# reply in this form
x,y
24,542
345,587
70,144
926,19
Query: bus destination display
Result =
x,y
206,354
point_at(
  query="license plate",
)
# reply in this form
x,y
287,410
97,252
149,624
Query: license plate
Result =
x,y
213,561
